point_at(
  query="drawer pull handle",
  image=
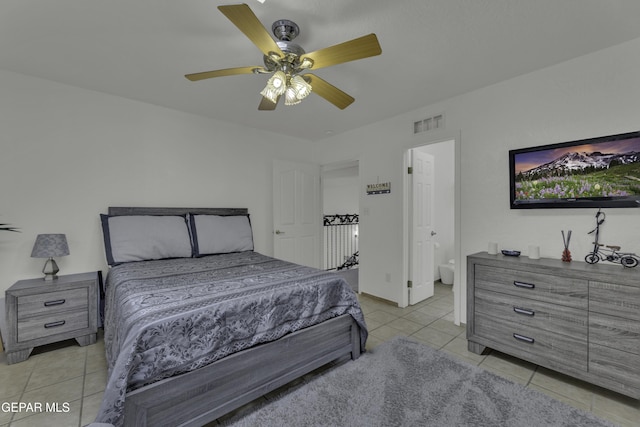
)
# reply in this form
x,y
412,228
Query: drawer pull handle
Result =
x,y
55,302
524,311
524,285
54,324
523,338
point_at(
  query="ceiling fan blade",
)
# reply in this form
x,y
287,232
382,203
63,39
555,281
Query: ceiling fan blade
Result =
x,y
243,17
362,47
225,72
329,92
267,105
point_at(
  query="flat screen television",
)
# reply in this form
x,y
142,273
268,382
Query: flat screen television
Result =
x,y
589,173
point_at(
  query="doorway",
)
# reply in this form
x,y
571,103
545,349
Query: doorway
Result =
x,y
445,243
340,200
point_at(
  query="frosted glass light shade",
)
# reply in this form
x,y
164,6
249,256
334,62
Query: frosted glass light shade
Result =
x,y
276,86
303,89
297,90
291,96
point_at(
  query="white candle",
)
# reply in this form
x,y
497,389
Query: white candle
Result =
x,y
493,248
534,252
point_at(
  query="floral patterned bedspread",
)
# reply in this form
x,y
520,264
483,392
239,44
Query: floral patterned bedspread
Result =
x,y
167,317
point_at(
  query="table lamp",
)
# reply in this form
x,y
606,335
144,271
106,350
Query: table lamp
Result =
x,y
49,246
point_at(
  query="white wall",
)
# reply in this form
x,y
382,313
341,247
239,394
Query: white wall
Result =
x,y
68,153
341,191
593,95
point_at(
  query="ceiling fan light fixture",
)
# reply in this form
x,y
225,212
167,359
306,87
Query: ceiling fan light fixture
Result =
x,y
276,85
297,90
291,96
269,94
278,82
302,88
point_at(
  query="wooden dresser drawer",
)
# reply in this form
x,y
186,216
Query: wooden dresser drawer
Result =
x,y
509,309
52,302
616,300
538,346
615,332
542,287
615,369
51,324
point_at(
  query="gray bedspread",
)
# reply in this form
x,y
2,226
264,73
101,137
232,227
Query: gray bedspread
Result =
x,y
168,317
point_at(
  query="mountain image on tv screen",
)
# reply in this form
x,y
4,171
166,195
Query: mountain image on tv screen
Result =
x,y
608,169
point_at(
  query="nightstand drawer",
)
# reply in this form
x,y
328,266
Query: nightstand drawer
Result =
x,y
44,326
52,302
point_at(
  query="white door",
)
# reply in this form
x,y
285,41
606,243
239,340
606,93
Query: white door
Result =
x,y
296,212
421,259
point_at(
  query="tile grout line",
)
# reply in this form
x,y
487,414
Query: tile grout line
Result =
x,y
24,390
84,381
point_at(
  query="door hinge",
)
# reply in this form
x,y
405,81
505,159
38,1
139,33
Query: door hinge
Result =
x,y
410,170
409,284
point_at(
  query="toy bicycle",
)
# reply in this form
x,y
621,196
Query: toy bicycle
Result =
x,y
611,254
608,253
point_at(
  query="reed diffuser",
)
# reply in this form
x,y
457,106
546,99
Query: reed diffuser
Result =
x,y
566,253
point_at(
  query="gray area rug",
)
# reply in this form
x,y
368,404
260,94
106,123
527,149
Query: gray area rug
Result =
x,y
403,383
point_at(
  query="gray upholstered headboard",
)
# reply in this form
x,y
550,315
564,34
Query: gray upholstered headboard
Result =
x,y
116,211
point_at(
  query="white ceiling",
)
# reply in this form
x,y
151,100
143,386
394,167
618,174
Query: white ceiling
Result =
x,y
431,50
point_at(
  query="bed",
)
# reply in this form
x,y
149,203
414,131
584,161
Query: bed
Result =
x,y
198,324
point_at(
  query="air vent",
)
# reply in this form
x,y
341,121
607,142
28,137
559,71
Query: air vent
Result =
x,y
430,123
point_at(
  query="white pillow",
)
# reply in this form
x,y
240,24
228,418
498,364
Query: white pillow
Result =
x,y
216,234
144,237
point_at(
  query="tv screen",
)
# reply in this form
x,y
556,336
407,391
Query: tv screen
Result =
x,y
595,172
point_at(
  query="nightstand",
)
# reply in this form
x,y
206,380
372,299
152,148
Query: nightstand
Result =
x,y
39,312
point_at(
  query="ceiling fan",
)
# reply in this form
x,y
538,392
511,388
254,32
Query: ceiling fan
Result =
x,y
288,63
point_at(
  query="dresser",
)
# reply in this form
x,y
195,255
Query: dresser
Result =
x,y
576,318
39,312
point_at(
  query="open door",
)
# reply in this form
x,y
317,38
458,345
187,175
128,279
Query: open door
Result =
x,y
296,212
421,259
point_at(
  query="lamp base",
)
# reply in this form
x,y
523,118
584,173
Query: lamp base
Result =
x,y
50,270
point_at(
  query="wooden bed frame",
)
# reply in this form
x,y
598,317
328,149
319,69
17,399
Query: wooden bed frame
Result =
x,y
204,395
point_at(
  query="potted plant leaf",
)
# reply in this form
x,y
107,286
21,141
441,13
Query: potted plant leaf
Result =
x,y
7,227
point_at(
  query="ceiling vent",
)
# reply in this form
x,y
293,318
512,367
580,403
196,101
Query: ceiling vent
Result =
x,y
430,123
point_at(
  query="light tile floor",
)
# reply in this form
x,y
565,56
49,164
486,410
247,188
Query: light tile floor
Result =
x,y
67,373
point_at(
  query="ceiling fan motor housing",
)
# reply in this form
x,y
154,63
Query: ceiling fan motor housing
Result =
x,y
285,30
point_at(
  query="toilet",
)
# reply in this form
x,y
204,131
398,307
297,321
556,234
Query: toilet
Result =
x,y
446,272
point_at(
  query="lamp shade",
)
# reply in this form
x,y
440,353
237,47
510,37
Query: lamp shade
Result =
x,y
303,89
275,87
50,245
